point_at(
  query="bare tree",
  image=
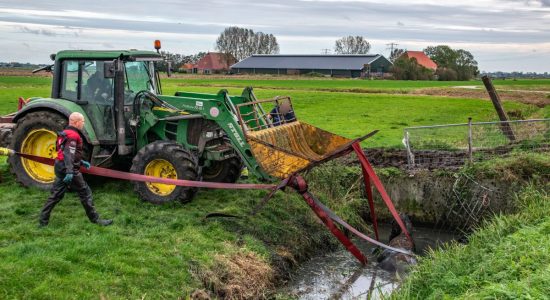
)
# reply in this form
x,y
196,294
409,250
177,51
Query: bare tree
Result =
x,y
266,43
352,45
243,42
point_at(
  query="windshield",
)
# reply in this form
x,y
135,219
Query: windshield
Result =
x,y
140,76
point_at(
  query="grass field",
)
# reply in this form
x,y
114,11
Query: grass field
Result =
x,y
165,252
346,113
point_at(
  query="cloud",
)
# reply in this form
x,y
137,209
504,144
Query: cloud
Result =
x,y
497,27
46,32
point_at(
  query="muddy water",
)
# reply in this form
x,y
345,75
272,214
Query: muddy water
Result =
x,y
338,275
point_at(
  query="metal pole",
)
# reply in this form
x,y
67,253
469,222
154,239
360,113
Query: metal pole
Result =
x,y
410,156
504,126
470,156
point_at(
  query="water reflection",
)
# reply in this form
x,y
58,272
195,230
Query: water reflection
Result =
x,y
337,275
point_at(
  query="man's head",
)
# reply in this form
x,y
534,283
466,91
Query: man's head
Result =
x,y
76,120
284,107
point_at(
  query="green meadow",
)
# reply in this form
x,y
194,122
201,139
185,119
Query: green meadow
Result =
x,y
168,251
343,112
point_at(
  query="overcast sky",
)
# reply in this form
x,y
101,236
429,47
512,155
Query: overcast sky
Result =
x,y
506,35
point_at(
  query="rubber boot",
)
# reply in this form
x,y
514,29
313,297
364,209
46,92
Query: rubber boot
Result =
x,y
104,222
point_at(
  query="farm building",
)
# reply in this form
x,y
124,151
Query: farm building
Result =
x,y
214,62
422,59
355,65
186,68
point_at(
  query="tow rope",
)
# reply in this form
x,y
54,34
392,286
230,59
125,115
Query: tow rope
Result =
x,y
359,234
145,178
295,181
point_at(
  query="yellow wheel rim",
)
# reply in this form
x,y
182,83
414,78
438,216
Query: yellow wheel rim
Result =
x,y
39,142
164,169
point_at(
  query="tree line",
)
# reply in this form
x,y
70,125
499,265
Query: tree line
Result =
x,y
239,43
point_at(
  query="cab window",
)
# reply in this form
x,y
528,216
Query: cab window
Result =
x,y
70,80
85,81
95,88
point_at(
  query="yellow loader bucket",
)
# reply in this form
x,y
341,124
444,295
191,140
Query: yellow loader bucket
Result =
x,y
281,144
288,148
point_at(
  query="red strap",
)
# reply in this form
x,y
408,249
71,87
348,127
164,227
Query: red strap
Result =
x,y
368,188
333,229
359,234
379,186
144,178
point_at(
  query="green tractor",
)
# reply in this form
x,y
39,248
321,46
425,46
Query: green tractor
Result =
x,y
129,122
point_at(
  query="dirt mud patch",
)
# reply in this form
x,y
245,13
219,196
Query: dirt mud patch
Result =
x,y
22,72
538,98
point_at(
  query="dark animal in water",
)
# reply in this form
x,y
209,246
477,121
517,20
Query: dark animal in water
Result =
x,y
394,261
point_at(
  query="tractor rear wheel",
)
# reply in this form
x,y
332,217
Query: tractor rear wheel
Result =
x,y
227,171
167,160
36,134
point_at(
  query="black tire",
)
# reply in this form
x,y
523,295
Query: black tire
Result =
x,y
227,171
183,161
25,126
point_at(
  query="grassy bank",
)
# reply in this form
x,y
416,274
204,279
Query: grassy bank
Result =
x,y
150,252
509,258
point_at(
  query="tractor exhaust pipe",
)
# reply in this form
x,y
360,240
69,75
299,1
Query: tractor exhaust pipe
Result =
x,y
123,149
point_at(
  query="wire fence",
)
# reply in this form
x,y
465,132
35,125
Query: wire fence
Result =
x,y
453,145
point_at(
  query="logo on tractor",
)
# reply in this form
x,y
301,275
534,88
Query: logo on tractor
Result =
x,y
236,134
214,112
199,105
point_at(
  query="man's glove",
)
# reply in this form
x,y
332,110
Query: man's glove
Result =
x,y
86,164
68,178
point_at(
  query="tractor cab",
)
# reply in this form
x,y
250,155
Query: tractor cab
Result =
x,y
130,124
101,81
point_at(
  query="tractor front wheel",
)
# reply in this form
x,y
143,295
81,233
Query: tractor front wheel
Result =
x,y
166,160
36,134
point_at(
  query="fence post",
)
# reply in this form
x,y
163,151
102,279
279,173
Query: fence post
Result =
x,y
470,142
504,125
410,156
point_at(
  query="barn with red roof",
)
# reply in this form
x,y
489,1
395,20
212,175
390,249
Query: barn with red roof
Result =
x,y
214,62
422,59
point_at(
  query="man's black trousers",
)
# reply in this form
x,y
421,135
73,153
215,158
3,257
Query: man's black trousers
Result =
x,y
58,192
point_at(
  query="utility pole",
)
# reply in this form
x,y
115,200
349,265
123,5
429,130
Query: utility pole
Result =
x,y
391,46
325,51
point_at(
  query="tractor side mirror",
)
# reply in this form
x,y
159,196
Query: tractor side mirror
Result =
x,y
109,69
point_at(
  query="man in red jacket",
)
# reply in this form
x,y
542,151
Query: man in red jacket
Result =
x,y
67,172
